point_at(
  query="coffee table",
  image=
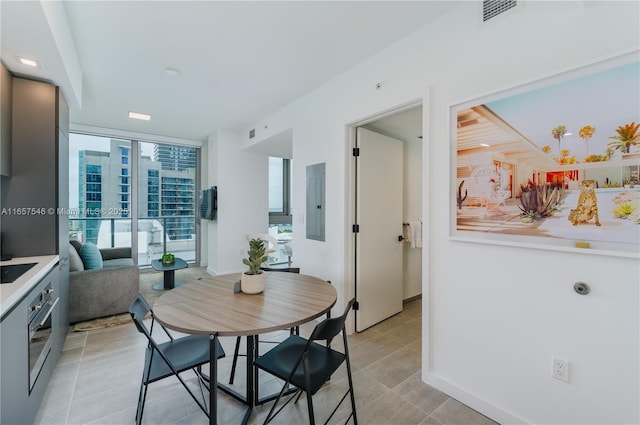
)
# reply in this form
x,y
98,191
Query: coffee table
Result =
x,y
169,273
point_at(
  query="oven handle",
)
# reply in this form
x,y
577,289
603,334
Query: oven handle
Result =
x,y
46,316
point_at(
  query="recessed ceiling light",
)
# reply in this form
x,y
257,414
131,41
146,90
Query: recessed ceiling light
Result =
x,y
485,145
28,62
172,71
138,116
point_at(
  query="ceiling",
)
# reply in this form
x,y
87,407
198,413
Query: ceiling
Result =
x,y
237,62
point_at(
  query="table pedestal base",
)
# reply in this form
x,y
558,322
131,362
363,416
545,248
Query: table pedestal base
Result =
x,y
169,281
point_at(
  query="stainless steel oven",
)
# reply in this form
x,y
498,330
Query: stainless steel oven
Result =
x,y
41,309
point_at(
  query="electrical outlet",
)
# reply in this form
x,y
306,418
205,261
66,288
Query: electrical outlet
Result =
x,y
560,369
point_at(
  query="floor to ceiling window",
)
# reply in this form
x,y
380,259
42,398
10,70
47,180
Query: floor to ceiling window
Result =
x,y
99,190
107,176
167,194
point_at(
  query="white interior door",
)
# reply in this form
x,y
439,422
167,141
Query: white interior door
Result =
x,y
379,217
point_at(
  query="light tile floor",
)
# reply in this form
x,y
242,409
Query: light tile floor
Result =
x,y
97,380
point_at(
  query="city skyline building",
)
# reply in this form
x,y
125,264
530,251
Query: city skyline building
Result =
x,y
172,157
166,189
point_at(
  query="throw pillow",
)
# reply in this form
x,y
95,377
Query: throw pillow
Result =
x,y
75,262
76,244
91,256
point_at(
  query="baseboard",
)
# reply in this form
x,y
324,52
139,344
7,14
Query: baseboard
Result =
x,y
491,411
415,297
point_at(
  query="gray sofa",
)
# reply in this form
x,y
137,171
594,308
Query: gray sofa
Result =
x,y
101,292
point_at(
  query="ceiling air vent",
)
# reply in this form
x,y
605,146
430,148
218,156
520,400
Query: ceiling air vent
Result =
x,y
252,133
492,8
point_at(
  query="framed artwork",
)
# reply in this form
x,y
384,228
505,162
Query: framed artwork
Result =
x,y
552,164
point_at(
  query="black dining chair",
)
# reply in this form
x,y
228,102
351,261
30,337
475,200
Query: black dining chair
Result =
x,y
170,358
236,351
307,365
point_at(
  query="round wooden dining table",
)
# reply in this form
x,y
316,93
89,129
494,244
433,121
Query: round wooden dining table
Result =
x,y
210,307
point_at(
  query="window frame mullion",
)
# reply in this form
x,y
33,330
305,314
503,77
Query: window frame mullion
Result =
x,y
284,216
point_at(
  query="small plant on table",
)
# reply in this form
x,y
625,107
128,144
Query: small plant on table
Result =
x,y
168,259
253,280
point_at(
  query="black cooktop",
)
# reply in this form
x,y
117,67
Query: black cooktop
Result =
x,y
12,272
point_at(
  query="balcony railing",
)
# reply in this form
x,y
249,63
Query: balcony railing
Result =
x,y
156,235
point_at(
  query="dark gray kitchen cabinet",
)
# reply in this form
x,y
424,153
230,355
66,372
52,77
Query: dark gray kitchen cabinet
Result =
x,y
32,224
6,90
22,380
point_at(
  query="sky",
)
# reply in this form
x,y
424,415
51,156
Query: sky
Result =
x,y
604,100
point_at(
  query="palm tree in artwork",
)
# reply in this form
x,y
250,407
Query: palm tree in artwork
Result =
x,y
586,133
557,133
628,135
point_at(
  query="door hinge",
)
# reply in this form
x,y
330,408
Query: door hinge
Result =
x,y
356,151
356,305
355,228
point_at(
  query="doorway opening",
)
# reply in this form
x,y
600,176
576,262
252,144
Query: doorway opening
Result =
x,y
278,150
385,213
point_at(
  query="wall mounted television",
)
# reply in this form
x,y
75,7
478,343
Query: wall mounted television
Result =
x,y
209,203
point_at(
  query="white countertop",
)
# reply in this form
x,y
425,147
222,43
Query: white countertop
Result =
x,y
11,293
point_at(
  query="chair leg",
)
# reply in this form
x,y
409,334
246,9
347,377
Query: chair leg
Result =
x,y
349,377
312,419
198,373
142,396
141,403
271,413
307,384
235,361
139,400
353,399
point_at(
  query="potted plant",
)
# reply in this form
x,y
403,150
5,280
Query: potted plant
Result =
x,y
168,259
252,280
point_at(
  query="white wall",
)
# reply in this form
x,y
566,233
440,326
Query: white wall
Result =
x,y
493,316
201,225
242,183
